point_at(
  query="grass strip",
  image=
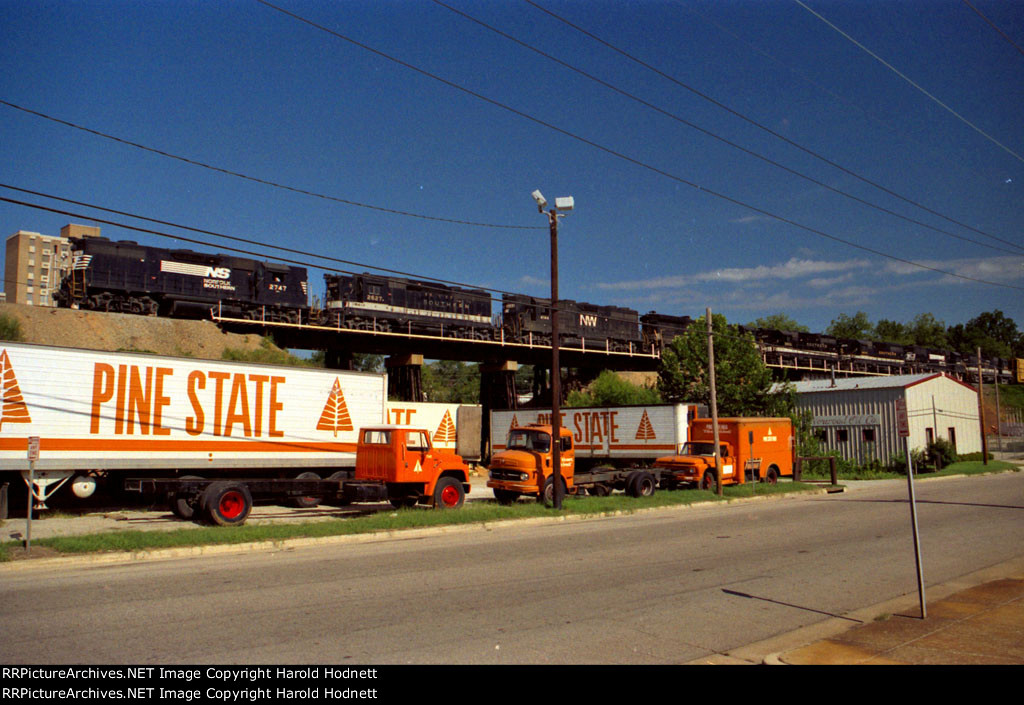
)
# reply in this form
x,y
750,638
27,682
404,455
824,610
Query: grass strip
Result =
x,y
388,520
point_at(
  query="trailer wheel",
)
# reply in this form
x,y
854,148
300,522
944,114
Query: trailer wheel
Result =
x,y
341,501
227,503
506,497
641,484
708,481
772,476
305,502
448,493
184,507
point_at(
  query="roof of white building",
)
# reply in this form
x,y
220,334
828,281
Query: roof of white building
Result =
x,y
856,383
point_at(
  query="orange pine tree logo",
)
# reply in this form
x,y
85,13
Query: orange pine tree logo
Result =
x,y
645,431
515,422
335,416
446,431
13,409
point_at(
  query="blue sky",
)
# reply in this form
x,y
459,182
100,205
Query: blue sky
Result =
x,y
243,87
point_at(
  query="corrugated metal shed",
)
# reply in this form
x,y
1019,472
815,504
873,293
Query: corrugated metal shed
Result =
x,y
857,416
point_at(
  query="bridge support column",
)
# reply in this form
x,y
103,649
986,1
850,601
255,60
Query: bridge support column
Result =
x,y
497,392
405,377
335,359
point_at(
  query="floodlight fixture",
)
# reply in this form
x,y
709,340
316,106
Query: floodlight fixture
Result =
x,y
541,201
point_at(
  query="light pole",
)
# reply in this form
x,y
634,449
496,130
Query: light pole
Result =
x,y
561,206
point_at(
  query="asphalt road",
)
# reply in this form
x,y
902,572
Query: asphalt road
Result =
x,y
663,587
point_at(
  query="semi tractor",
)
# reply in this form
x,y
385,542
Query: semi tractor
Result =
x,y
393,463
602,449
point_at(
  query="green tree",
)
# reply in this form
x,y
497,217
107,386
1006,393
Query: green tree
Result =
x,y
10,328
891,332
778,321
451,382
742,381
857,327
925,330
993,332
611,390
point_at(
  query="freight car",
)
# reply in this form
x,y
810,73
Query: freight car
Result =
x,y
528,319
125,277
391,304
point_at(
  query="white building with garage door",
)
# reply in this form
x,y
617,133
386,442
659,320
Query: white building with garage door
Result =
x,y
857,416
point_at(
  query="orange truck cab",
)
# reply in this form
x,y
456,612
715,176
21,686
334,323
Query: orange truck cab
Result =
x,y
402,458
524,467
752,449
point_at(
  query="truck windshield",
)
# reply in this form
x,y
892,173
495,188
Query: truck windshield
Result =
x,y
707,448
529,440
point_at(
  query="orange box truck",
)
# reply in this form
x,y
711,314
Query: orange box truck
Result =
x,y
752,450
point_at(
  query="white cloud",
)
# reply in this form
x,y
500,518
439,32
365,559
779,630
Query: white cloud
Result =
x,y
795,268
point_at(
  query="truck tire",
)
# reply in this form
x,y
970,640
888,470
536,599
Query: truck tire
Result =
x,y
599,490
641,484
305,502
708,481
547,497
506,497
772,476
448,493
184,507
227,503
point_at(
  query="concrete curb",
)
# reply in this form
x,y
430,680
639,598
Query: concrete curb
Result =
x,y
108,558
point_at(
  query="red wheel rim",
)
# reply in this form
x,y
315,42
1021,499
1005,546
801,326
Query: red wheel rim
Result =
x,y
231,504
450,496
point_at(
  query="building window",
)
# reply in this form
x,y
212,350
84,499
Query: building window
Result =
x,y
868,435
952,437
842,435
929,435
821,434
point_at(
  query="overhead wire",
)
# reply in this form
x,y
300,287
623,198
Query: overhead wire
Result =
x,y
993,26
265,182
761,126
719,138
625,157
906,78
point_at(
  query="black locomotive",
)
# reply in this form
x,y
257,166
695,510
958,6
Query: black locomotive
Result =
x,y
126,277
527,319
390,304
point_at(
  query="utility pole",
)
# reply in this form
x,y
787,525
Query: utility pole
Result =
x,y
981,409
714,405
561,204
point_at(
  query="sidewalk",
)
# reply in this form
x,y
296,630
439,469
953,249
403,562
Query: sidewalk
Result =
x,y
981,624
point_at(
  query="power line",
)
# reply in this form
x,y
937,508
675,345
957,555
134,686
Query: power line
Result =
x,y
762,127
906,78
254,179
993,25
234,238
625,157
715,136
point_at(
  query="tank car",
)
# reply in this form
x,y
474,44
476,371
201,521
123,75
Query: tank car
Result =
x,y
125,277
391,304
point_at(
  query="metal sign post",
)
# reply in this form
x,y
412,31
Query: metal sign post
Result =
x,y
33,456
903,427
